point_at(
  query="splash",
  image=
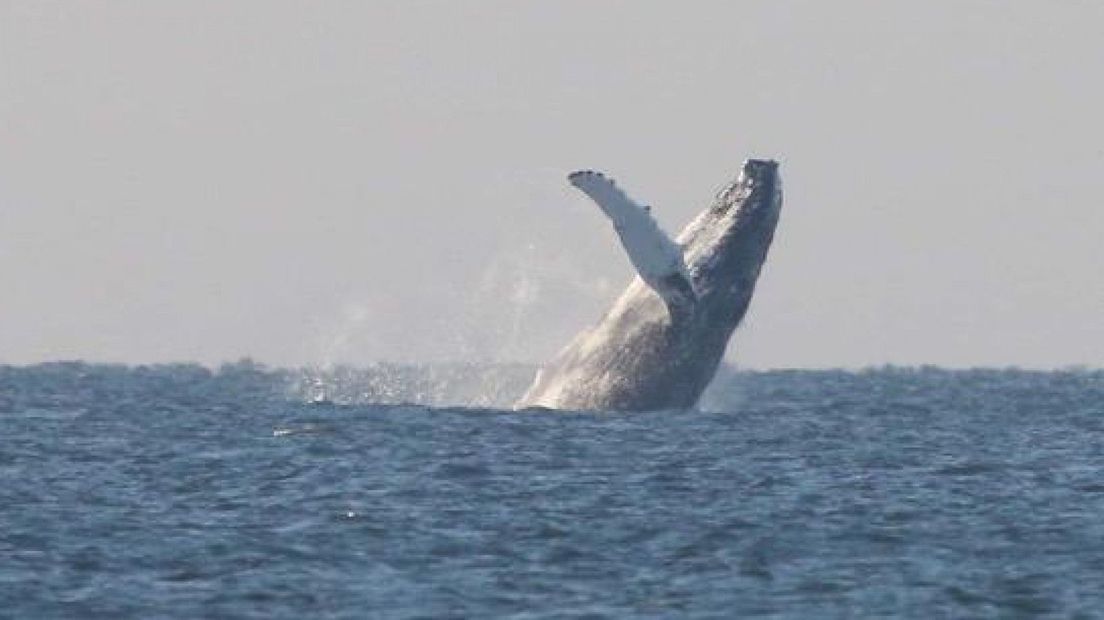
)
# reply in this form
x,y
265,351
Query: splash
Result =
x,y
435,385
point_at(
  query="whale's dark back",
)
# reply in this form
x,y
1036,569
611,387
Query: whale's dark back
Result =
x,y
639,357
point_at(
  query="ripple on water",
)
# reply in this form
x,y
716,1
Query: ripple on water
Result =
x,y
928,493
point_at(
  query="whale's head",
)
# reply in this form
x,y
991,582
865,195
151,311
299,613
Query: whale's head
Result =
x,y
726,245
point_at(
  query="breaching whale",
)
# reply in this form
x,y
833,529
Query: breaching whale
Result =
x,y
659,346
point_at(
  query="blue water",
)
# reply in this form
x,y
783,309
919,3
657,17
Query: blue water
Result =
x,y
179,492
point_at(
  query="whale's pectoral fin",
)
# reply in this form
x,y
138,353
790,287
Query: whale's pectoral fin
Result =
x,y
678,293
655,256
603,191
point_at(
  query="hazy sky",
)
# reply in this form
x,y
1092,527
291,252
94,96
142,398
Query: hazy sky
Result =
x,y
310,182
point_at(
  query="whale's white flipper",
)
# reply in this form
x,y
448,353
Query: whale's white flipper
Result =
x,y
655,256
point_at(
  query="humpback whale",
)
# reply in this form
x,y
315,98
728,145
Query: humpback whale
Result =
x,y
659,346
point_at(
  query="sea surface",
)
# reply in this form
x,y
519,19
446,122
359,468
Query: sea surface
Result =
x,y
397,492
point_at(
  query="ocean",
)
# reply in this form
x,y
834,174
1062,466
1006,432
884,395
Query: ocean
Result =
x,y
178,491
